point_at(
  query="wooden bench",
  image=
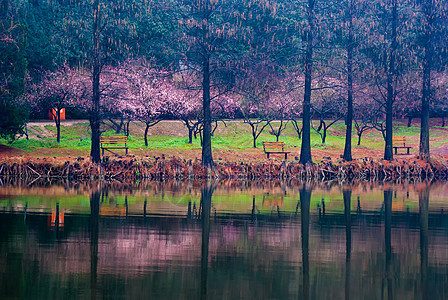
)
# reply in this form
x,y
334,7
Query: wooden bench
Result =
x,y
275,147
400,142
114,140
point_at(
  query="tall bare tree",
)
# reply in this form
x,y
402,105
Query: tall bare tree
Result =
x,y
215,35
428,29
305,150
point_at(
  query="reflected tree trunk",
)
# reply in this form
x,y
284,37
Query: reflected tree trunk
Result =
x,y
189,210
305,200
423,199
56,220
387,236
347,195
206,203
94,230
24,212
253,207
145,204
126,205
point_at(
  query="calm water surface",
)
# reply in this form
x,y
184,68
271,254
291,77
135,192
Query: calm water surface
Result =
x,y
226,240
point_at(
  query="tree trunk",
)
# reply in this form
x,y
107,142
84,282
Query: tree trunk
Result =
x,y
119,126
426,89
359,138
146,135
324,136
190,135
58,125
26,131
207,158
296,128
388,154
254,135
95,113
190,130
391,74
409,121
305,150
349,118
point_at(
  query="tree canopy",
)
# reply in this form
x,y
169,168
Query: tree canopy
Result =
x,y
257,59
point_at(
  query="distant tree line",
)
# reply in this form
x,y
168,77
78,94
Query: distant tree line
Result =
x,y
199,61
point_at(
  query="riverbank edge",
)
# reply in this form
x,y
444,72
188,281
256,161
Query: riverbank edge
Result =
x,y
138,168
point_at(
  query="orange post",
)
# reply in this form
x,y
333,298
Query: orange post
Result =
x,y
52,113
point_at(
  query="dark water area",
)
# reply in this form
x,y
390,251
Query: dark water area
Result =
x,y
224,240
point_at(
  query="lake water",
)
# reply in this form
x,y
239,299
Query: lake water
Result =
x,y
224,240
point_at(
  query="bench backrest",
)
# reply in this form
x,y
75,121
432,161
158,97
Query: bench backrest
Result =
x,y
114,139
399,140
274,146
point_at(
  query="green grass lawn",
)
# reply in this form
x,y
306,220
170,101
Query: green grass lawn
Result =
x,y
235,135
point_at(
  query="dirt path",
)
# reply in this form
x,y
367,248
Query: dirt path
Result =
x,y
38,130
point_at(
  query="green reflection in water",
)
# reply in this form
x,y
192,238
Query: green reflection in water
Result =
x,y
275,241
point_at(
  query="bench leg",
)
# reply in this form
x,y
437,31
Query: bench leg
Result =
x,y
286,156
408,151
396,149
102,149
267,155
126,151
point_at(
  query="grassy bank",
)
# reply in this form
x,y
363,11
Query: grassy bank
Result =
x,y
232,141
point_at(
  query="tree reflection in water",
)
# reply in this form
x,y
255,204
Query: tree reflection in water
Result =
x,y
387,237
423,200
206,204
305,200
347,196
94,232
243,250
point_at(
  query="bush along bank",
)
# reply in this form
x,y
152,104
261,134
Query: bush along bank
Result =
x,y
133,168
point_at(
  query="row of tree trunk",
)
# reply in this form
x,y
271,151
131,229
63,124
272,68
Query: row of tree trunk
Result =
x,y
208,47
163,169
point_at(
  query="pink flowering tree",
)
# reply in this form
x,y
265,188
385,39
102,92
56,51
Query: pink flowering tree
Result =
x,y
255,114
254,103
58,90
185,103
439,103
224,106
147,94
115,107
325,105
282,107
364,115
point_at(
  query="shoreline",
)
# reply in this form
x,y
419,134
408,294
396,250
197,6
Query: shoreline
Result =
x,y
139,168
